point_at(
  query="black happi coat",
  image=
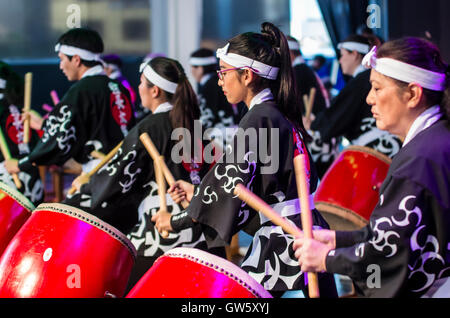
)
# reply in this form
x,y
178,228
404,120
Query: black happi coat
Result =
x,y
95,114
270,258
124,192
409,232
349,115
12,128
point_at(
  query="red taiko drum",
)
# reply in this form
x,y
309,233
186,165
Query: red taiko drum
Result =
x,y
349,190
15,209
64,252
192,273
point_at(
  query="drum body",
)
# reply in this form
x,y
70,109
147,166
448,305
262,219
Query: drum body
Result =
x,y
15,209
349,191
192,273
63,252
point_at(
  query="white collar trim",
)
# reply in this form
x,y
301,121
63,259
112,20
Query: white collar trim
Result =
x,y
263,96
359,70
96,70
163,108
424,121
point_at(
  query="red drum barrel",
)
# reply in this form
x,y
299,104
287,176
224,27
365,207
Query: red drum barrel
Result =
x,y
64,252
349,190
15,209
192,273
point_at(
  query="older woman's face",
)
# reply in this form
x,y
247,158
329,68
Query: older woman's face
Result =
x,y
388,106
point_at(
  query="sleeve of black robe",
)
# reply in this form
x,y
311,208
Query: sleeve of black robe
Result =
x,y
403,245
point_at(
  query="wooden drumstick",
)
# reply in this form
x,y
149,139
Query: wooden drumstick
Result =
x,y
306,217
306,103
258,204
104,161
154,153
159,174
55,98
7,155
27,107
310,104
97,154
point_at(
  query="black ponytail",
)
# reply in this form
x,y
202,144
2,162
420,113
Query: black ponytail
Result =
x,y
288,98
271,48
185,104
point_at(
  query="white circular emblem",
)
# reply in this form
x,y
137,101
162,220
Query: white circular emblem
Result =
x,y
47,254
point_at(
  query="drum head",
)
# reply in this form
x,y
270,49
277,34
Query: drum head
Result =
x,y
90,219
193,273
16,195
339,218
222,266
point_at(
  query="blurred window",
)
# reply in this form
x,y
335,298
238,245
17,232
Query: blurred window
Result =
x,y
308,26
223,19
30,29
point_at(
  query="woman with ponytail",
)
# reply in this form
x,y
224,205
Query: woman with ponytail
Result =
x,y
405,250
124,192
255,68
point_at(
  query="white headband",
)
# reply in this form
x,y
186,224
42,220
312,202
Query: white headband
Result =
x,y
404,72
236,60
157,79
203,61
2,83
83,54
354,46
294,45
112,66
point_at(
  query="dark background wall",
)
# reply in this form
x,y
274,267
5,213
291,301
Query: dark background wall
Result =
x,y
415,17
47,77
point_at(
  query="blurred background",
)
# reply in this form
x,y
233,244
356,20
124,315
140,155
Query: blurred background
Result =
x,y
132,29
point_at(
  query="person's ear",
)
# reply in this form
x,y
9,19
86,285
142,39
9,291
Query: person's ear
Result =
x,y
413,95
155,91
76,60
248,76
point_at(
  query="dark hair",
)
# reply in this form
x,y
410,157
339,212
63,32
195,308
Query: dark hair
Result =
x,y
426,55
14,90
270,47
360,39
86,39
185,105
203,52
320,59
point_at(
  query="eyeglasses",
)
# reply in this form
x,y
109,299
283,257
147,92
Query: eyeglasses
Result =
x,y
221,74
